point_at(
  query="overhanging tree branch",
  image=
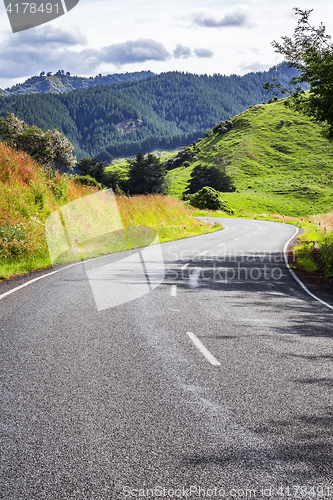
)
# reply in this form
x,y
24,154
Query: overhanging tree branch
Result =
x,y
311,52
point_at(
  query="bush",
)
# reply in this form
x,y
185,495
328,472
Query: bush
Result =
x,y
49,148
208,198
87,180
326,254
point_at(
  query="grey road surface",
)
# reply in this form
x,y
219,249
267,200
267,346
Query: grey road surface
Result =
x,y
216,384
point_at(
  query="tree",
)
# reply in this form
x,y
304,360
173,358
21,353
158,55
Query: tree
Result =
x,y
49,148
213,176
113,179
92,167
311,53
146,175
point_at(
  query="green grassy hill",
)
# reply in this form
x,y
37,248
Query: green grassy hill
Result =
x,y
278,159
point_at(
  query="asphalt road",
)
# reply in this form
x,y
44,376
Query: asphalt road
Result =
x,y
215,384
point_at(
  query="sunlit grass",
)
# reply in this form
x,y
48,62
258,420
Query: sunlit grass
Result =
x,y
168,216
28,195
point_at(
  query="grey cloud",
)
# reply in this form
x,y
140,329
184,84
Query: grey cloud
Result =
x,y
182,52
38,37
32,51
236,18
203,53
29,53
134,52
18,64
25,54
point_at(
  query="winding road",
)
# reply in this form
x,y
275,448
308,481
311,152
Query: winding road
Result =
x,y
215,384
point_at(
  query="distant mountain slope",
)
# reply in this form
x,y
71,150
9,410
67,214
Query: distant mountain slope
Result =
x,y
278,159
166,110
64,82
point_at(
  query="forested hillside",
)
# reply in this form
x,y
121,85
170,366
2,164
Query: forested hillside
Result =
x,y
64,82
161,111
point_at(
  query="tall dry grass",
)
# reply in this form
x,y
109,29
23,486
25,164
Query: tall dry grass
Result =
x,y
166,215
28,195
326,220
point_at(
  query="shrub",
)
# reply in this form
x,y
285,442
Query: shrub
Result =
x,y
208,198
49,148
229,124
87,180
326,254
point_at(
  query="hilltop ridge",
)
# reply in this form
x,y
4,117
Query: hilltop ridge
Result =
x,y
62,82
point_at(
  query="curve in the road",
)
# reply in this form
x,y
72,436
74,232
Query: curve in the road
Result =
x,y
30,282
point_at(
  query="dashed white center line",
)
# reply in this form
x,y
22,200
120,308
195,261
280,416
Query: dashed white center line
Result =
x,y
186,265
208,355
173,291
203,253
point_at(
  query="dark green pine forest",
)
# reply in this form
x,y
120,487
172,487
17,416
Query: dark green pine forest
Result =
x,y
160,111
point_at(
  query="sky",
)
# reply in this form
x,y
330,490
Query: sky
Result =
x,y
118,36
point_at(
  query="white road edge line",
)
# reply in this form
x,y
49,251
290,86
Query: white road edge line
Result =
x,y
36,279
296,278
47,275
208,355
